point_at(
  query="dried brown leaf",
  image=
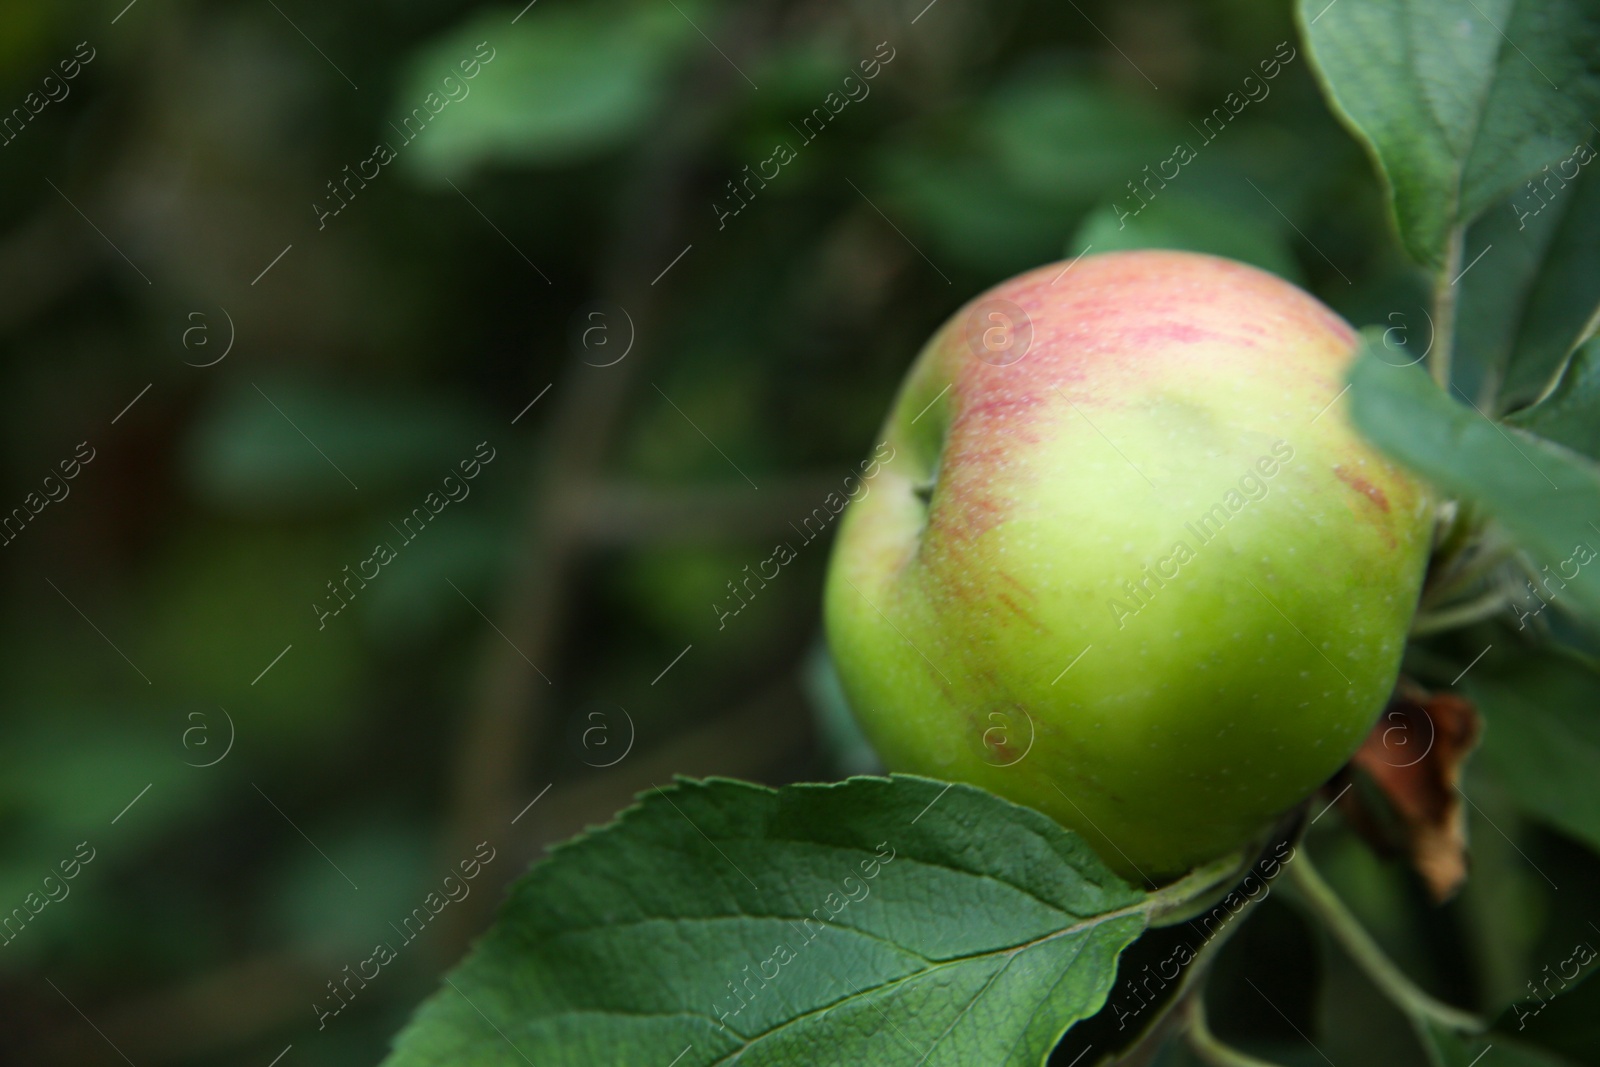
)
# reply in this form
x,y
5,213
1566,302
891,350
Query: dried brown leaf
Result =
x,y
1414,757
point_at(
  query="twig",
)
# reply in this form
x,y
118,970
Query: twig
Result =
x,y
511,699
1205,1043
619,514
1325,904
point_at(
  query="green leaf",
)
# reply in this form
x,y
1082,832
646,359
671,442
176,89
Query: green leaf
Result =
x,y
1570,415
300,445
1448,1049
563,85
1195,224
1565,295
1059,135
838,734
891,921
952,197
1456,102
996,184
1543,736
1559,1010
1525,304
1547,498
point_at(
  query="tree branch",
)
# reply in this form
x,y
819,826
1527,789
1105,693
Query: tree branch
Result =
x,y
1205,1043
511,697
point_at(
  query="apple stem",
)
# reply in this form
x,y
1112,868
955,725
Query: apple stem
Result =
x,y
1193,893
1491,553
1483,607
1466,552
1444,309
1348,931
1206,1045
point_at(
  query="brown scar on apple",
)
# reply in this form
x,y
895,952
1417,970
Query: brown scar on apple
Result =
x,y
1412,762
1021,612
1018,610
1011,580
994,727
1002,749
1362,486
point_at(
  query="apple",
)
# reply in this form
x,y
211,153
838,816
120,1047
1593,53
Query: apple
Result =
x,y
1128,563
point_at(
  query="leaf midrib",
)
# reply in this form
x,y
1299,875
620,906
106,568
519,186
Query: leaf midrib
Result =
x,y
1140,908
1069,862
1459,167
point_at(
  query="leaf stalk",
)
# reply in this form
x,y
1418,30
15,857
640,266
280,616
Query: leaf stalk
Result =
x,y
1193,892
1348,931
1465,614
1444,309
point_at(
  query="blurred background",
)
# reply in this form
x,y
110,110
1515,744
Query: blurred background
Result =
x,y
493,286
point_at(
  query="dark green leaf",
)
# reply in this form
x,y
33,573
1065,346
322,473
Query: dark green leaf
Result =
x,y
952,197
563,85
1194,224
1543,736
1564,297
1448,1049
1559,1009
287,444
998,184
1061,136
840,736
1570,415
1547,497
1457,102
1536,285
882,921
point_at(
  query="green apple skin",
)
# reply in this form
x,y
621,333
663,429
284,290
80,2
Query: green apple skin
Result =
x,y
1031,625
